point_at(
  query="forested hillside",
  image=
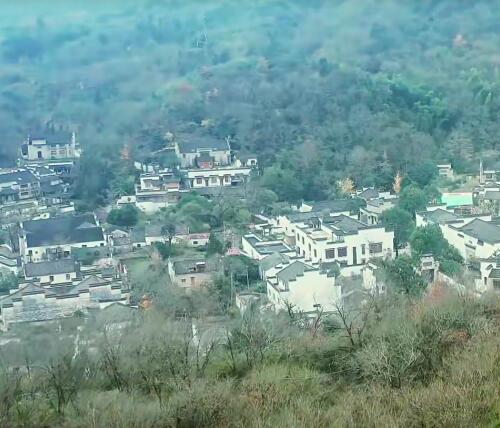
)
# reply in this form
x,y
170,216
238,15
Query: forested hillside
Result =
x,y
321,90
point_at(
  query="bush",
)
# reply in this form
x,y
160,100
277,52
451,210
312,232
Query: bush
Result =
x,y
127,216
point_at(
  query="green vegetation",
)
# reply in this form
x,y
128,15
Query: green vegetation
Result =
x,y
128,215
397,363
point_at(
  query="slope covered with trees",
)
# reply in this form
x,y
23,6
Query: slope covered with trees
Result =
x,y
321,90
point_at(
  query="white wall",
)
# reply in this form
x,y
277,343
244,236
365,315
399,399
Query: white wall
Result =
x,y
305,292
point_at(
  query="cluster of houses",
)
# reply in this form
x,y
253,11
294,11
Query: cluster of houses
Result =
x,y
54,278
41,182
205,164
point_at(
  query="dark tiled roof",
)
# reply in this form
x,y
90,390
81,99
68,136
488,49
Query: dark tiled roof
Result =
x,y
293,270
62,230
494,274
344,224
188,265
52,137
189,143
138,235
153,230
50,268
205,157
492,195
19,177
272,260
369,194
482,230
440,216
334,205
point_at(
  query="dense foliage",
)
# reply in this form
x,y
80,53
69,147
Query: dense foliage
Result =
x,y
320,90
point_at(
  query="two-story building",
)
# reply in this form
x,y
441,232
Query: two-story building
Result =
x,y
302,287
58,150
476,239
223,176
193,149
18,185
52,272
489,274
374,209
342,239
191,272
54,238
157,190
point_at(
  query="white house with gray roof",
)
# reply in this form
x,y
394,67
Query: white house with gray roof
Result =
x,y
476,239
257,248
33,302
342,239
489,279
302,286
190,147
54,238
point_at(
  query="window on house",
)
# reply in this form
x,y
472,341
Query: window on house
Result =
x,y
84,246
199,180
342,252
183,280
303,241
315,254
363,261
309,247
363,249
102,244
330,254
30,252
195,242
66,253
375,247
485,280
51,278
68,276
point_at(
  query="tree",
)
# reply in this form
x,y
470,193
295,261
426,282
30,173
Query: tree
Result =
x,y
422,173
127,216
400,222
214,245
402,276
412,199
283,183
427,240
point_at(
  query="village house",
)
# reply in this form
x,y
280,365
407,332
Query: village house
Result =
x,y
373,210
245,160
53,238
256,248
18,185
303,287
224,176
191,272
370,194
489,271
58,150
157,190
203,149
476,239
445,170
9,261
333,207
474,236
56,272
340,238
33,302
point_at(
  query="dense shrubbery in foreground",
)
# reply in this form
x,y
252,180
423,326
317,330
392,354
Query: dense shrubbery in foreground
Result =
x,y
399,363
